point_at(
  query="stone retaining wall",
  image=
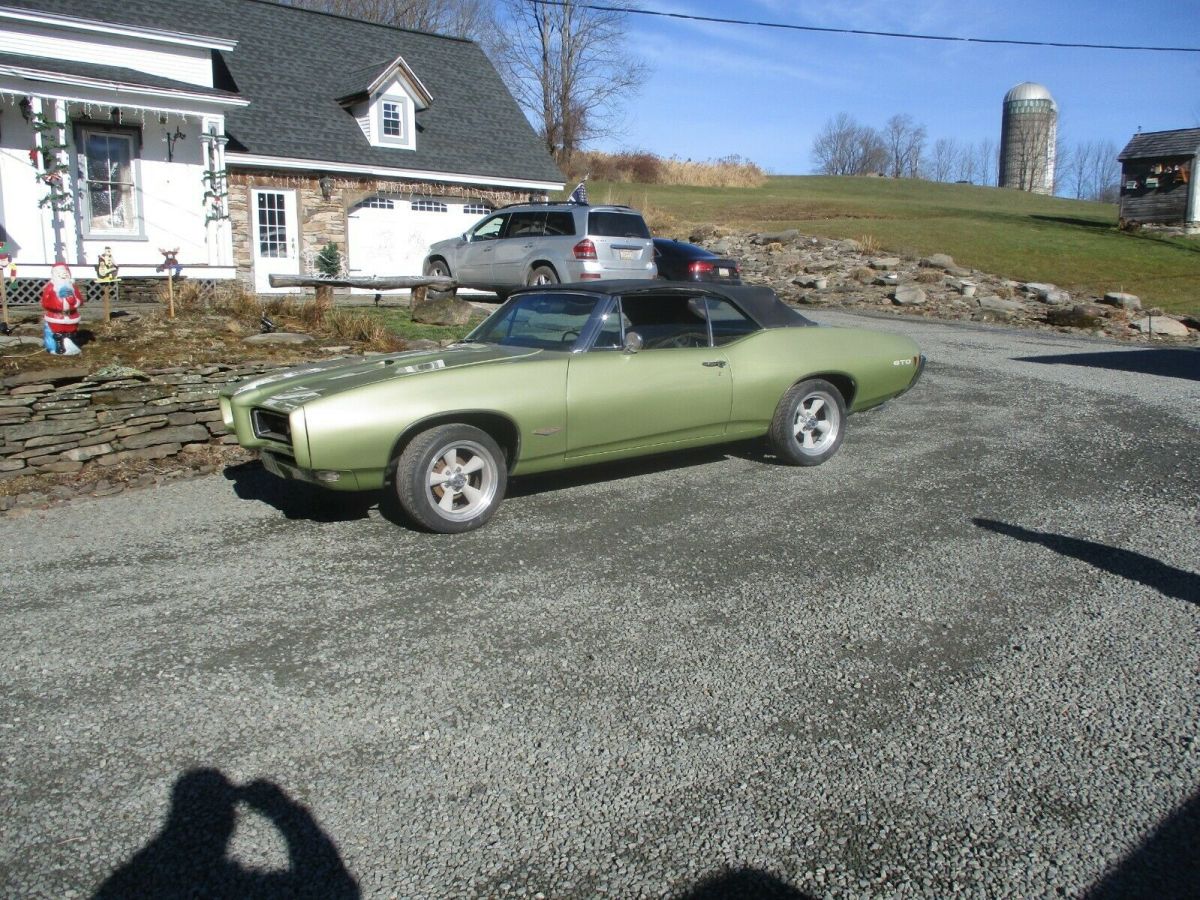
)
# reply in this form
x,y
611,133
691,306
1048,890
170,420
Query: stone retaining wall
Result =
x,y
60,420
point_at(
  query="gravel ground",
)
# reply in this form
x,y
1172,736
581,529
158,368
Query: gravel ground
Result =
x,y
960,657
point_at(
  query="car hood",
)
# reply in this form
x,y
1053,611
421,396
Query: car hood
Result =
x,y
286,390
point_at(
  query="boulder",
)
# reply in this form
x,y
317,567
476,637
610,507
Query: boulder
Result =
x,y
1000,304
1056,297
885,262
1081,315
908,295
441,309
938,261
1165,325
1123,300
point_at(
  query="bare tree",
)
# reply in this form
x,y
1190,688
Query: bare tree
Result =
x,y
968,164
989,162
943,160
905,142
567,68
844,147
462,18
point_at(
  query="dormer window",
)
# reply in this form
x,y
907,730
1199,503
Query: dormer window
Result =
x,y
393,119
385,101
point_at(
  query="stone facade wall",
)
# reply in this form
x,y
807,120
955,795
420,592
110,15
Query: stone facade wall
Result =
x,y
324,221
61,420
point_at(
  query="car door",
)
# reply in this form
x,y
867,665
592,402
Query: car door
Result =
x,y
518,241
475,257
678,388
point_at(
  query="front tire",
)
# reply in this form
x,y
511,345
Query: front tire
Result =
x,y
809,423
542,275
451,478
437,266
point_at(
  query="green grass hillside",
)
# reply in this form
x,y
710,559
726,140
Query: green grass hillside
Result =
x,y
1074,244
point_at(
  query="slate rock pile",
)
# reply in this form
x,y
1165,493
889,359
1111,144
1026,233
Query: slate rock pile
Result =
x,y
814,271
59,421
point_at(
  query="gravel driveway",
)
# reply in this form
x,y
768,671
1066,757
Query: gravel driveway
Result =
x,y
962,656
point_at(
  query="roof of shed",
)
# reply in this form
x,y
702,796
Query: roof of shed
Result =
x,y
293,64
1180,142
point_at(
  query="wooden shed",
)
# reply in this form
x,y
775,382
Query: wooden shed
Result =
x,y
1159,183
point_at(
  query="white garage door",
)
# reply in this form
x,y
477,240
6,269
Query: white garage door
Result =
x,y
390,235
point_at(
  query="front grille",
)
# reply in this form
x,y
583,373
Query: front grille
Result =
x,y
271,426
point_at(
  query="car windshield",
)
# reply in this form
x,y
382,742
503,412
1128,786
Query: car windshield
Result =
x,y
547,321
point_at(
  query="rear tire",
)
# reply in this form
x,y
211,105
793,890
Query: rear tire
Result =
x,y
451,478
809,423
542,275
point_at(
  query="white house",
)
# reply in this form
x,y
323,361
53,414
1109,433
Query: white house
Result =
x,y
247,135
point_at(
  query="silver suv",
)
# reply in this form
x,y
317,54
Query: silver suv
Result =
x,y
546,243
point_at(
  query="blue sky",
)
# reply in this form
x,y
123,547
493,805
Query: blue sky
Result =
x,y
765,93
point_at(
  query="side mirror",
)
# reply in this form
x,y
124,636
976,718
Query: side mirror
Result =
x,y
466,237
633,342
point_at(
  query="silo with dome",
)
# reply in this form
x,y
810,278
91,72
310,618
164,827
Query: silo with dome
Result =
x,y
1028,134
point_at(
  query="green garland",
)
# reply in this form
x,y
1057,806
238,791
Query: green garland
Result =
x,y
54,170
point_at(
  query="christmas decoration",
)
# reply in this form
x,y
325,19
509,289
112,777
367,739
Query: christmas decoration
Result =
x,y
49,153
61,301
106,275
329,261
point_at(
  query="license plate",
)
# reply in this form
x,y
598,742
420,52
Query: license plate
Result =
x,y
724,273
628,254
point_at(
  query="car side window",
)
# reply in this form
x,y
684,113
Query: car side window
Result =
x,y
560,224
667,321
489,229
526,224
728,322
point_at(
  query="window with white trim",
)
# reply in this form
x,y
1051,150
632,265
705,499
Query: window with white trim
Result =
x,y
429,206
393,119
377,203
477,209
107,164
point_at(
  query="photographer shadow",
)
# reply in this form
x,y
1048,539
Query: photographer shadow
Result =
x,y
189,857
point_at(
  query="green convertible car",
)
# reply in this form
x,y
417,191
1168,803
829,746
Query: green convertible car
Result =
x,y
563,376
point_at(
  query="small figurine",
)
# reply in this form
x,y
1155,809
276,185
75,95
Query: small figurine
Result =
x,y
170,263
61,301
106,268
8,265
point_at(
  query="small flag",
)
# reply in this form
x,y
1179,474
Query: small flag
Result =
x,y
579,195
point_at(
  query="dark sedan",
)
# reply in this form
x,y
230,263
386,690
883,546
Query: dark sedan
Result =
x,y
678,261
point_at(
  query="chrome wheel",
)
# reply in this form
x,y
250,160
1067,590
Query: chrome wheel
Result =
x,y
462,481
451,478
809,423
817,423
542,275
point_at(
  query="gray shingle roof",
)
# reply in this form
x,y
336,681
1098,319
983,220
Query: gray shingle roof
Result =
x,y
1181,142
107,73
293,64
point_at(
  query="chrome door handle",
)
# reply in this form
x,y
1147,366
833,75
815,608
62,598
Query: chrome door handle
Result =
x,y
715,363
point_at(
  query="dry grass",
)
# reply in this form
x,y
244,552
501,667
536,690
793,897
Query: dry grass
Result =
x,y
928,276
647,168
869,243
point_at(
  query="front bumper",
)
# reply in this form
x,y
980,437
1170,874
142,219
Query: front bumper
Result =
x,y
916,375
285,467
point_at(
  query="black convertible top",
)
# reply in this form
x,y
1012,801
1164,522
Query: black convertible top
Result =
x,y
760,303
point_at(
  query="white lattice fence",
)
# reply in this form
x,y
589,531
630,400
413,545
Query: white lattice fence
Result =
x,y
28,291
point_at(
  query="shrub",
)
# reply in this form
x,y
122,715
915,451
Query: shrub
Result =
x,y
329,261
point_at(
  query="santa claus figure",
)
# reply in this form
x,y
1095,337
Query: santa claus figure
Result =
x,y
61,301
